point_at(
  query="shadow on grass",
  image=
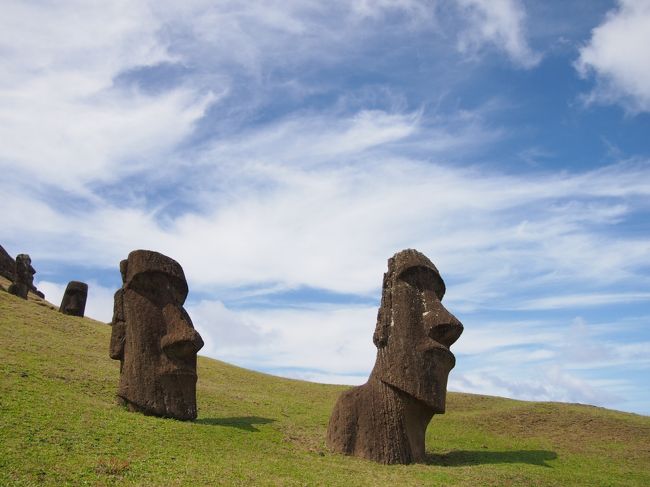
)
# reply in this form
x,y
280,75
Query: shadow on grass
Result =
x,y
481,457
243,422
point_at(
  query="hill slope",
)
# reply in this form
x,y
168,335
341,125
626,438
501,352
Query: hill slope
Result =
x,y
59,424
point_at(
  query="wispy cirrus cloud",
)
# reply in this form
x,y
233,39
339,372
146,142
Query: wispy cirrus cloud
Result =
x,y
561,359
328,218
553,384
501,24
63,121
582,300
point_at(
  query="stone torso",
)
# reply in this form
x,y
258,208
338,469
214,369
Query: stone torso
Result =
x,y
379,422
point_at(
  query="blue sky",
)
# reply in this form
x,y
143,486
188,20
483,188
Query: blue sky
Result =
x,y
282,151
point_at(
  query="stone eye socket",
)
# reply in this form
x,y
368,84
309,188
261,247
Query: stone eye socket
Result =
x,y
157,288
420,278
424,279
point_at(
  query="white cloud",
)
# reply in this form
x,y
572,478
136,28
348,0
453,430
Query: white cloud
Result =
x,y
324,344
324,378
67,37
418,10
309,140
553,384
86,141
485,338
281,34
500,23
63,121
553,360
53,291
100,302
618,56
324,340
226,333
582,300
574,343
264,219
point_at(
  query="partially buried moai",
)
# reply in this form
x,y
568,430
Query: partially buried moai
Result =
x,y
385,419
24,276
154,339
74,299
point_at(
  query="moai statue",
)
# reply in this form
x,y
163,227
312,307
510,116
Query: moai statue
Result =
x,y
154,339
74,299
24,276
385,419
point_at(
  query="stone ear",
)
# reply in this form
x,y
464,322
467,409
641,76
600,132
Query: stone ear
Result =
x,y
124,264
382,330
118,336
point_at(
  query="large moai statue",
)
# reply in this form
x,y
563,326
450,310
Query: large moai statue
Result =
x,y
154,339
74,299
385,419
24,276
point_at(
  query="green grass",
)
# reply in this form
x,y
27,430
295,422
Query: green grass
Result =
x,y
60,425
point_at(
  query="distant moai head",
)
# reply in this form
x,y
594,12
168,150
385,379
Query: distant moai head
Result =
x,y
24,276
74,299
153,337
24,270
414,330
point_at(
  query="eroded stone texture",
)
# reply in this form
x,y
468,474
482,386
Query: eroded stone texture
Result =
x,y
153,338
74,299
24,276
7,265
385,419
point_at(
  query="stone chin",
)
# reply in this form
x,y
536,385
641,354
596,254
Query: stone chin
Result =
x,y
434,380
179,396
430,384
434,394
176,399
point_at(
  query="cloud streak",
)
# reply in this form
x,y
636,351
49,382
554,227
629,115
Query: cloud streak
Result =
x,y
324,224
500,23
63,122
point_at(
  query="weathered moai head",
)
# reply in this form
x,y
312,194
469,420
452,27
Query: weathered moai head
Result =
x,y
386,418
414,330
153,337
24,270
74,299
24,276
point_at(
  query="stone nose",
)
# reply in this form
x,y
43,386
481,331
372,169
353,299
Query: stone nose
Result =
x,y
443,327
181,339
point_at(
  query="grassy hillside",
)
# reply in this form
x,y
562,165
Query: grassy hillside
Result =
x,y
59,425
